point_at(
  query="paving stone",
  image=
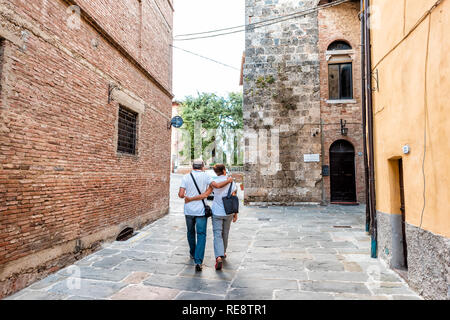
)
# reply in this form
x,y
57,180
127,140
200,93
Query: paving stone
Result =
x,y
352,266
136,277
324,266
339,276
107,252
300,295
101,274
321,251
133,266
348,296
208,273
142,292
187,295
143,255
244,282
272,243
41,295
171,269
87,288
390,288
187,283
325,257
332,286
403,297
48,281
249,294
154,247
177,259
340,244
386,276
81,298
272,274
109,262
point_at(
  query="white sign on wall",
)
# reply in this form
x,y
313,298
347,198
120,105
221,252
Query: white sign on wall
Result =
x,y
311,157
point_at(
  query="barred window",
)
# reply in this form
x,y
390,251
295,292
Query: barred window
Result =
x,y
126,142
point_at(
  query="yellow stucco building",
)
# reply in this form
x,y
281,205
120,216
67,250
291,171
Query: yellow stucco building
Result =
x,y
410,52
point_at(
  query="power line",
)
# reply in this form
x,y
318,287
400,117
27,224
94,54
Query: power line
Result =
x,y
258,24
267,20
203,57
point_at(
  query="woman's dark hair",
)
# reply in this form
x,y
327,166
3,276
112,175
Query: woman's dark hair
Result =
x,y
219,169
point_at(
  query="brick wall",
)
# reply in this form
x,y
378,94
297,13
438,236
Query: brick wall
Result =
x,y
63,187
342,23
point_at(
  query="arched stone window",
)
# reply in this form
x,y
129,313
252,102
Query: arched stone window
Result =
x,y
340,71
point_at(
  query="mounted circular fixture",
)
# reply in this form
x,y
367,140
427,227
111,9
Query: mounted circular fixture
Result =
x,y
176,122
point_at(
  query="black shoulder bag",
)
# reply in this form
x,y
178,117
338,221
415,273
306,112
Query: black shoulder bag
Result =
x,y
230,202
208,211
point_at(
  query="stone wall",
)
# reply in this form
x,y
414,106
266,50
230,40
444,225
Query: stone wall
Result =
x,y
428,256
64,188
428,263
281,97
285,101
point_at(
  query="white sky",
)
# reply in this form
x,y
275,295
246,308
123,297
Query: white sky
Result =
x,y
192,74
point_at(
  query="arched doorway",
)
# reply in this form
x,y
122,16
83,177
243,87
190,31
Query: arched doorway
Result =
x,y
342,172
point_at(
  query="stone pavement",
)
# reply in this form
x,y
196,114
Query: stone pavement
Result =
x,y
274,253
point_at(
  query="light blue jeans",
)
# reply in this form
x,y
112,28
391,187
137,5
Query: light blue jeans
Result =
x,y
197,246
221,228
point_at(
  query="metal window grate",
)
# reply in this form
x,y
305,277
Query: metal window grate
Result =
x,y
126,141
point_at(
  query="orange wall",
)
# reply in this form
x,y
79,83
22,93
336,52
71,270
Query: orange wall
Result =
x,y
414,94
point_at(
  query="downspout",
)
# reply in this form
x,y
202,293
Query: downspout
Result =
x,y
372,198
364,115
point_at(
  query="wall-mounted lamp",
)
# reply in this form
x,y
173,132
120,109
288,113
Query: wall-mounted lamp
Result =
x,y
344,130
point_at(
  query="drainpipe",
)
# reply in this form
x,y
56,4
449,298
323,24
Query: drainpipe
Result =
x,y
364,115
372,198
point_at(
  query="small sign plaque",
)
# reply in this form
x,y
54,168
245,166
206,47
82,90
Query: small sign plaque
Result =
x,y
326,171
177,122
311,157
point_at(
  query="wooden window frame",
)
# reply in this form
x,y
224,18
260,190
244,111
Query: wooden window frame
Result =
x,y
340,97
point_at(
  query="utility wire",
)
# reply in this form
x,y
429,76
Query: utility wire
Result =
x,y
203,57
258,24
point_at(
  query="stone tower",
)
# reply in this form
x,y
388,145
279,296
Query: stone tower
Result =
x,y
282,104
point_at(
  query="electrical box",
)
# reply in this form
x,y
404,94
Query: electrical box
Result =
x,y
406,149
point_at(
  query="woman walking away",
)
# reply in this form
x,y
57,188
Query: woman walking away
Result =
x,y
221,222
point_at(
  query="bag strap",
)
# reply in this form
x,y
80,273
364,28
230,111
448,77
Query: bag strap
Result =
x,y
198,189
229,190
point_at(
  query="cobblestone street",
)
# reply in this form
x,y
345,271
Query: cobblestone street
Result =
x,y
274,253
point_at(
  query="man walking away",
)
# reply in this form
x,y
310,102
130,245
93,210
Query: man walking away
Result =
x,y
194,211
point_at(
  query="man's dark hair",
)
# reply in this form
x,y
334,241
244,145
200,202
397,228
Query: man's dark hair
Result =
x,y
218,169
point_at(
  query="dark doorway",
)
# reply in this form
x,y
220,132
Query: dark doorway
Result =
x,y
402,209
342,172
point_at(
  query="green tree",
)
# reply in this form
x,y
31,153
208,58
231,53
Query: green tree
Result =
x,y
214,112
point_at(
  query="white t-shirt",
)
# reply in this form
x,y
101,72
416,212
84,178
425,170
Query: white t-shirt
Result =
x,y
195,208
217,205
